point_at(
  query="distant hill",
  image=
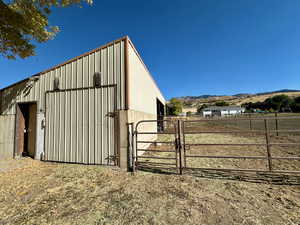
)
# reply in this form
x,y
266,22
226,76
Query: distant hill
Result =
x,y
279,91
191,102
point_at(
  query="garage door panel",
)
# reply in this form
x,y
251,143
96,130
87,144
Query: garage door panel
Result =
x,y
78,129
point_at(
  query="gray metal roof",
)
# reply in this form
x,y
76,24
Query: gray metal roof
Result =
x,y
223,108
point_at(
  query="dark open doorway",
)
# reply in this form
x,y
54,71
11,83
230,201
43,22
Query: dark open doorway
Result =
x,y
25,133
160,115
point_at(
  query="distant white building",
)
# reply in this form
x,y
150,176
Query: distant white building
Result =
x,y
222,111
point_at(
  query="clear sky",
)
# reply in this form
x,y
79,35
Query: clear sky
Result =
x,y
191,47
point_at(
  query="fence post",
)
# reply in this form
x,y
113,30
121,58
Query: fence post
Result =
x,y
276,122
268,145
133,147
179,147
184,146
250,121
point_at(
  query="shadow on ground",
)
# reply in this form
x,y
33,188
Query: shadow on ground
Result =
x,y
253,177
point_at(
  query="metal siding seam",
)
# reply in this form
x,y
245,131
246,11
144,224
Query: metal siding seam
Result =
x,y
54,120
48,125
101,109
126,75
95,112
66,118
113,98
71,96
118,74
89,109
59,123
76,118
107,103
46,130
82,118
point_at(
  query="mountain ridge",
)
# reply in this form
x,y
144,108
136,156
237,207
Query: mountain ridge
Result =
x,y
204,96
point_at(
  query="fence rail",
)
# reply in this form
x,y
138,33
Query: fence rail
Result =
x,y
180,151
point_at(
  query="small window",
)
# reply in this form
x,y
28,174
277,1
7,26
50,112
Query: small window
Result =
x,y
97,79
56,84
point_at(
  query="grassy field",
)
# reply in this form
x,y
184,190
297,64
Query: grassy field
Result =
x,y
49,193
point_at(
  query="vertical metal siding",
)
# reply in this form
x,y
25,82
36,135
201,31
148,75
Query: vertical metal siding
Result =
x,y
7,137
77,129
61,134
79,73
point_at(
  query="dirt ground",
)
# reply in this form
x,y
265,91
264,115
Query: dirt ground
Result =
x,y
48,193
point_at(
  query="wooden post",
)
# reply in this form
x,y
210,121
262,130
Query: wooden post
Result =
x,y
268,145
250,122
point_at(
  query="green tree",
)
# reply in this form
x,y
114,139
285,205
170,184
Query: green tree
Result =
x,y
279,103
295,105
23,22
174,107
201,107
222,103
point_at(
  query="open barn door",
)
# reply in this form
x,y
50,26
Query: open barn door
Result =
x,y
25,132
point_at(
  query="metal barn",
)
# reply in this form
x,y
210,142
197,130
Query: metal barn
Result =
x,y
78,111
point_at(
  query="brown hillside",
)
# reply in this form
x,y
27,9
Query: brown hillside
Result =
x,y
191,104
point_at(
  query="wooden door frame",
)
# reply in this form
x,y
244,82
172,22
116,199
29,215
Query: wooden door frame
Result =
x,y
17,106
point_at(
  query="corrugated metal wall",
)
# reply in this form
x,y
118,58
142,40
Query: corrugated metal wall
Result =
x,y
82,134
7,127
79,73
78,127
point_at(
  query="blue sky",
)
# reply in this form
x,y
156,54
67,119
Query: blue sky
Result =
x,y
191,47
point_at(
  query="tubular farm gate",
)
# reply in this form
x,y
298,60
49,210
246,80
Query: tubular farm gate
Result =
x,y
197,145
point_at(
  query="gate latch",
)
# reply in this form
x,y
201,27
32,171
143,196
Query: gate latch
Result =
x,y
111,114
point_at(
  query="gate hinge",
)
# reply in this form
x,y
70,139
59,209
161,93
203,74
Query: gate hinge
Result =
x,y
111,114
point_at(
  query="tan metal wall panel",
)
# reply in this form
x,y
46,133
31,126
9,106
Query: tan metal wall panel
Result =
x,y
143,90
7,136
68,108
79,73
80,131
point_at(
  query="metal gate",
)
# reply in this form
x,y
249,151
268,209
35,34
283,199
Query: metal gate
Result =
x,y
188,148
80,125
152,146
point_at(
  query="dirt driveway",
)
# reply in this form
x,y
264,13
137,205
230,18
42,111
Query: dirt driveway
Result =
x,y
48,193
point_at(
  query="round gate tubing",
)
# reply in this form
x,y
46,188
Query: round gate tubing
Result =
x,y
153,142
264,131
156,157
243,170
221,144
138,163
252,118
152,150
155,163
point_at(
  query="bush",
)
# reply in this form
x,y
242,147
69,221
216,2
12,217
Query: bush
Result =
x,y
174,107
222,103
201,107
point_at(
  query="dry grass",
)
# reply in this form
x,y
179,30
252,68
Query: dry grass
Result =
x,y
44,193
34,192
